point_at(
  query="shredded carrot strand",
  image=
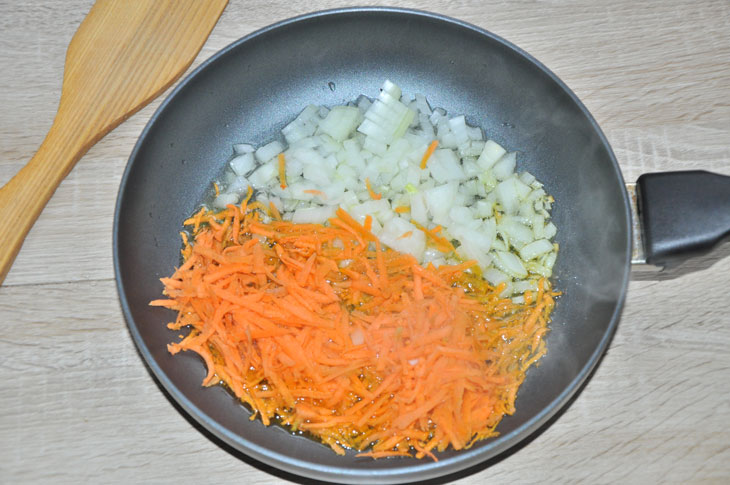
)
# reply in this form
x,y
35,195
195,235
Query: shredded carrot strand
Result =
x,y
322,329
368,225
274,213
429,151
282,170
440,242
373,194
316,192
402,209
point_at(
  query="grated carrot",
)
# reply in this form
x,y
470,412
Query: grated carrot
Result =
x,y
324,330
429,151
315,192
282,170
373,194
274,211
440,242
368,224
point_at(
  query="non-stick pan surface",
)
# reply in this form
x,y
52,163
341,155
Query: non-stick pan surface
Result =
x,y
251,89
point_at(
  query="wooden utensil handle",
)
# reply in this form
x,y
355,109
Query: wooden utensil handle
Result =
x,y
23,198
123,55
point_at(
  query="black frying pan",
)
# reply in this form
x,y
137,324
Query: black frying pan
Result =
x,y
251,89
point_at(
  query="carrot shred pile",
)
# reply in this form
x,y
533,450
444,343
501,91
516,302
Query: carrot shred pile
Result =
x,y
321,329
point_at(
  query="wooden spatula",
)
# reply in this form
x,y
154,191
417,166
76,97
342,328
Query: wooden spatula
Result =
x,y
124,54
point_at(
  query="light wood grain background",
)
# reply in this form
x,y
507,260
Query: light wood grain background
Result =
x,y
77,405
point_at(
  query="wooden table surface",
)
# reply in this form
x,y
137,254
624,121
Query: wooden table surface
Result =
x,y
78,405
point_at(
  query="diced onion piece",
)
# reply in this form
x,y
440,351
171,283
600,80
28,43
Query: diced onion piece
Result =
x,y
538,226
224,199
422,105
473,245
391,88
523,286
458,128
507,196
340,122
401,235
510,264
536,249
375,208
537,268
475,134
527,178
495,276
238,186
444,166
243,164
264,175
387,119
491,153
439,200
550,260
523,190
461,215
419,212
269,151
313,215
516,231
505,166
550,230
377,147
240,148
357,337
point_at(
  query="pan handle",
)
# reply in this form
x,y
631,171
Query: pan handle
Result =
x,y
682,214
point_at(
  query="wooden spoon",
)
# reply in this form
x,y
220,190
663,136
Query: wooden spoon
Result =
x,y
123,55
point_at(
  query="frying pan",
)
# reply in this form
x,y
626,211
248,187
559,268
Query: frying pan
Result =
x,y
248,91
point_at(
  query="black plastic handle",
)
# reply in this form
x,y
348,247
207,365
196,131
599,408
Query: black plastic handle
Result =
x,y
683,214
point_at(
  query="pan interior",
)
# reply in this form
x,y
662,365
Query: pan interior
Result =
x,y
250,90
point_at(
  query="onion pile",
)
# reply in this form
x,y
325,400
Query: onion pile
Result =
x,y
366,157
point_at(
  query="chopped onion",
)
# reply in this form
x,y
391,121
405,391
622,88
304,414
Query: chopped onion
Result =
x,y
491,153
535,249
357,337
243,164
505,166
507,196
269,151
470,187
340,122
240,148
224,199
510,264
313,215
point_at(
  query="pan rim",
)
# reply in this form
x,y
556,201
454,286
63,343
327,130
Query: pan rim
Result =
x,y
465,458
